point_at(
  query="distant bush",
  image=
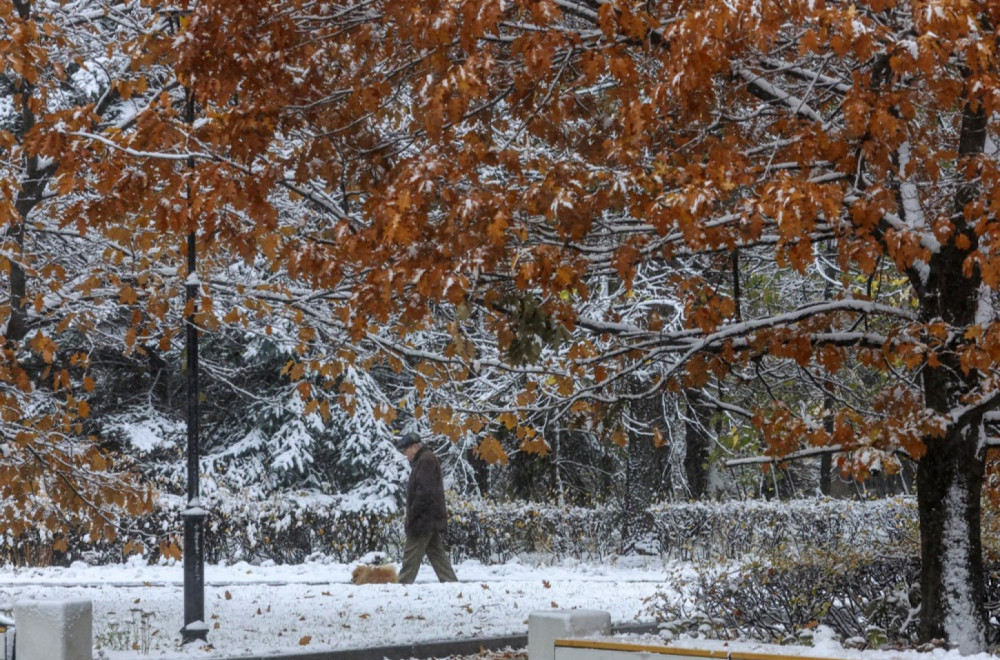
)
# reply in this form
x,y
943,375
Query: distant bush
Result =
x,y
758,528
289,531
285,530
296,526
494,532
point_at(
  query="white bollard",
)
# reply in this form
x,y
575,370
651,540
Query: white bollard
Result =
x,y
546,626
53,630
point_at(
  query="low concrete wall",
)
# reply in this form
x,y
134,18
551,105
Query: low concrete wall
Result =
x,y
546,626
54,630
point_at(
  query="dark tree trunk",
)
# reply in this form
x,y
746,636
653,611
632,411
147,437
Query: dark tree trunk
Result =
x,y
696,444
949,485
27,198
480,470
17,322
33,182
642,479
640,489
950,474
825,474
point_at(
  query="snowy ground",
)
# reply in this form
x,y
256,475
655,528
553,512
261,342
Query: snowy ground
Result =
x,y
138,609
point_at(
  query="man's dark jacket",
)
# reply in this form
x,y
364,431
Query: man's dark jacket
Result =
x,y
425,509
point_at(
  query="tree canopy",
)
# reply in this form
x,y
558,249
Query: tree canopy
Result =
x,y
541,217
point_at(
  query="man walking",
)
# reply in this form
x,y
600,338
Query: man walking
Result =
x,y
426,515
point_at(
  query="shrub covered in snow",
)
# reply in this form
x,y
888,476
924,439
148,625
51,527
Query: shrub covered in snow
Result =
x,y
495,532
852,573
290,528
735,529
868,598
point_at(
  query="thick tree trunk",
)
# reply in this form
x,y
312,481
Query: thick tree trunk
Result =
x,y
950,474
949,485
642,479
640,489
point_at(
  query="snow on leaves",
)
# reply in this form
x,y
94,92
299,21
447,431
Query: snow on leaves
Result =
x,y
58,479
534,214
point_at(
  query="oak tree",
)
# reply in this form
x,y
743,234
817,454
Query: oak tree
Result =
x,y
561,175
61,64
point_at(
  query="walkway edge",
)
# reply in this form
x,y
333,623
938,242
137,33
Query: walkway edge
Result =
x,y
431,649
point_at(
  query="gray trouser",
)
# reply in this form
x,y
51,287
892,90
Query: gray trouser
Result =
x,y
432,545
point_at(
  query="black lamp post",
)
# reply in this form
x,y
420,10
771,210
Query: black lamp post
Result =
x,y
195,627
194,515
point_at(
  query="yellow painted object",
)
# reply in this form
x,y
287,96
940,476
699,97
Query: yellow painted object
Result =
x,y
715,654
605,645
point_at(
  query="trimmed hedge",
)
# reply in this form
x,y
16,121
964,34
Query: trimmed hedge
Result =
x,y
289,529
734,530
496,532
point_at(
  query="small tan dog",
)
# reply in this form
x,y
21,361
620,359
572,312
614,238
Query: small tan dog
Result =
x,y
365,574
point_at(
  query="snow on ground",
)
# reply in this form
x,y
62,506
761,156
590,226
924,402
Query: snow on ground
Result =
x,y
138,609
825,646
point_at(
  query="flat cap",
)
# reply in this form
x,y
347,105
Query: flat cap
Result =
x,y
408,439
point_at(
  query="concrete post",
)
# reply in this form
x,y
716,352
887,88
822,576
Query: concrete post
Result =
x,y
546,626
54,630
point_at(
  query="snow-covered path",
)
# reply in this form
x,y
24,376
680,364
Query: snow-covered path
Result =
x,y
313,606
